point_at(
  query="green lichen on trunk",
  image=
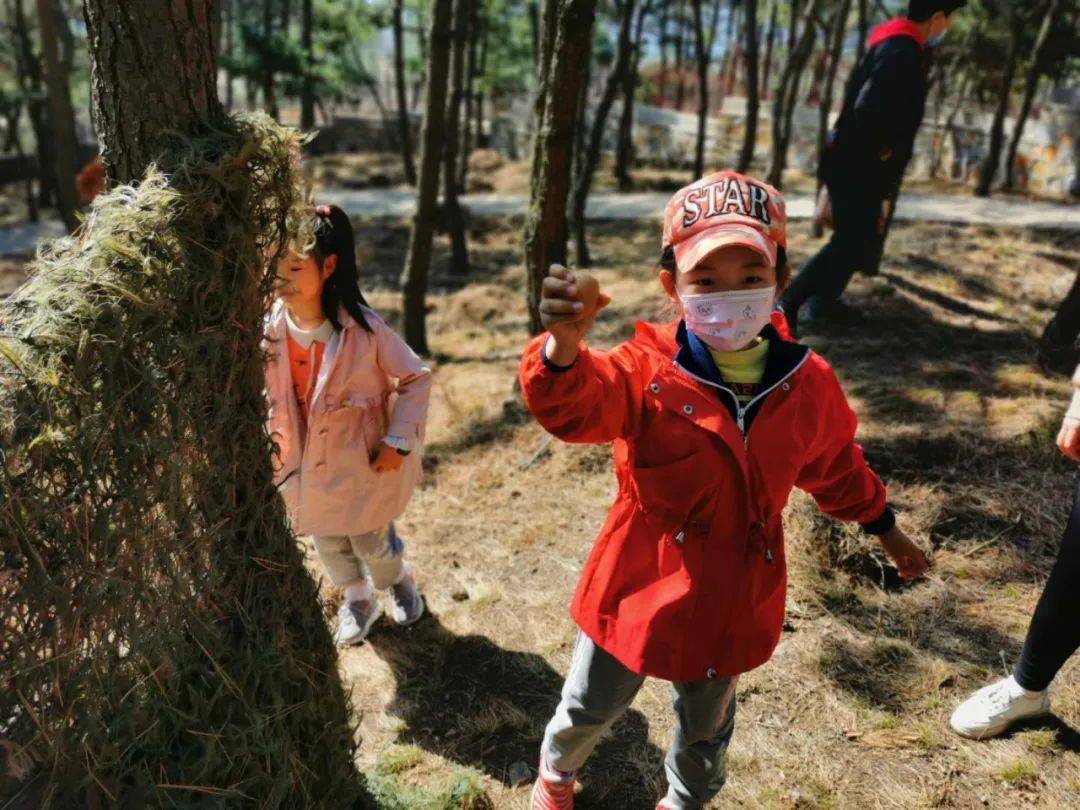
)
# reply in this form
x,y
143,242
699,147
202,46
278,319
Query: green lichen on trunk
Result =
x,y
162,642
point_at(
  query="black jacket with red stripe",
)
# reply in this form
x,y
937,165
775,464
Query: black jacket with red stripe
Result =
x,y
884,104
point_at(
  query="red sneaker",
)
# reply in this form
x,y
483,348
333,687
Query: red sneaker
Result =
x,y
552,790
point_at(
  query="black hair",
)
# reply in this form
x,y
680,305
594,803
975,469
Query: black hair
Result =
x,y
667,262
923,10
334,237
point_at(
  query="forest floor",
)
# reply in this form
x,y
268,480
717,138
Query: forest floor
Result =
x,y
852,711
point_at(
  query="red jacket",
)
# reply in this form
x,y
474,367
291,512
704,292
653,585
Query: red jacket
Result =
x,y
687,578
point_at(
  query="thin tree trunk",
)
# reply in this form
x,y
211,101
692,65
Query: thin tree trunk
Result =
x,y
268,78
471,72
587,164
863,28
746,154
414,280
661,90
568,36
989,169
835,45
50,17
286,17
455,219
404,129
31,80
1031,85
478,126
625,144
787,93
703,52
793,25
770,43
307,87
229,13
680,56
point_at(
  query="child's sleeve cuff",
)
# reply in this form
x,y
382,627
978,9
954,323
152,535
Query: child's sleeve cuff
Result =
x,y
882,524
550,366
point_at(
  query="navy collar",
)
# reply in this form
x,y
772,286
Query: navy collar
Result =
x,y
694,355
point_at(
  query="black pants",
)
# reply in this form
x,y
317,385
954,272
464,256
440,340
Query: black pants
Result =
x,y
856,211
1054,634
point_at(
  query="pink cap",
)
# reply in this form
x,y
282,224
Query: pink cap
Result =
x,y
721,210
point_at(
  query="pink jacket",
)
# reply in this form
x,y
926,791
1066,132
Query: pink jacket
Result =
x,y
370,385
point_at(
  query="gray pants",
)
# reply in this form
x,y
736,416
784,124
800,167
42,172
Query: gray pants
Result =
x,y
347,560
599,689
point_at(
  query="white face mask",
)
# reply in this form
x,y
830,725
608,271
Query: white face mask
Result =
x,y
727,321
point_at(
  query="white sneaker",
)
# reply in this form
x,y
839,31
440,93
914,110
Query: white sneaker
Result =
x,y
994,708
406,603
355,620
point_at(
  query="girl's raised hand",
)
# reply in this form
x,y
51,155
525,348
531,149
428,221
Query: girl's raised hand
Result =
x,y
569,303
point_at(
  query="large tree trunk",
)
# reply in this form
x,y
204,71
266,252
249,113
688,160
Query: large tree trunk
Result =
x,y
50,17
455,219
184,658
404,130
746,154
307,87
788,91
587,163
1031,84
624,149
414,279
835,45
567,36
989,169
703,42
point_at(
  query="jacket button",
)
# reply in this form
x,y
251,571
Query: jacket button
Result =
x,y
680,537
323,432
710,673
655,388
688,409
786,387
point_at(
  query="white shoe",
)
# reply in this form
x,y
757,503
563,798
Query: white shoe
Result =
x,y
355,620
994,708
406,603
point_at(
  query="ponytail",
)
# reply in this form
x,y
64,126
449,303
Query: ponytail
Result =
x,y
334,237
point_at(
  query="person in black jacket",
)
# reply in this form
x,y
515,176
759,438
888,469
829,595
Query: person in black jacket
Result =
x,y
867,152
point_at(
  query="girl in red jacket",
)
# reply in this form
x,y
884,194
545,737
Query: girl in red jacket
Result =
x,y
714,419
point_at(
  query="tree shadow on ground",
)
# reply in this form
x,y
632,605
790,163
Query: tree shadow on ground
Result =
x,y
466,699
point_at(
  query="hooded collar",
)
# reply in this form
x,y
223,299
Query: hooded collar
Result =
x,y
783,356
900,27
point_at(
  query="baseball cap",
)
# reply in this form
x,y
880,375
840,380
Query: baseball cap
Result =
x,y
721,210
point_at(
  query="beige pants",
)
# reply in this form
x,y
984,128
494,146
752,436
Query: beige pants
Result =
x,y
348,559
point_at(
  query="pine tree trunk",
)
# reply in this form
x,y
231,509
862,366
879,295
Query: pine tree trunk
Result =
x,y
863,30
586,164
455,219
746,154
567,37
770,43
50,17
703,53
153,76
472,70
836,44
307,88
31,81
680,56
624,149
404,129
269,80
414,280
989,169
1031,85
788,92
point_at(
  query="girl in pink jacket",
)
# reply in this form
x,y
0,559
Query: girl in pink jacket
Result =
x,y
348,402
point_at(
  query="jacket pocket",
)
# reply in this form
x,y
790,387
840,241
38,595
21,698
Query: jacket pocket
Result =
x,y
673,489
348,451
